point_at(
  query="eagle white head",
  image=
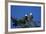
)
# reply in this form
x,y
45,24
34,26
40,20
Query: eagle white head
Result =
x,y
30,13
25,14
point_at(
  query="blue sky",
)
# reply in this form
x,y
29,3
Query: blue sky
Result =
x,y
20,11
